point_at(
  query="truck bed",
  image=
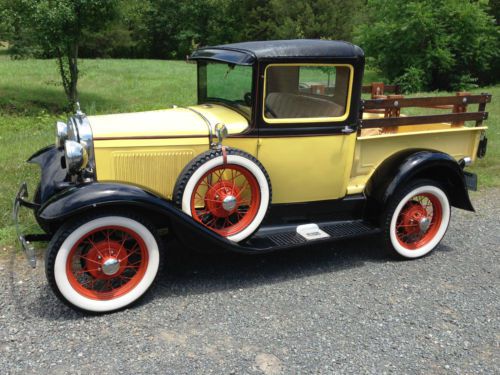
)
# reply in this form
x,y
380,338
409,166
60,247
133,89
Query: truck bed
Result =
x,y
386,131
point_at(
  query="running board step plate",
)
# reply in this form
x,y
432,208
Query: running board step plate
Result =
x,y
292,236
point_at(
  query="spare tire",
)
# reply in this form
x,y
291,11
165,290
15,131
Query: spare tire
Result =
x,y
228,193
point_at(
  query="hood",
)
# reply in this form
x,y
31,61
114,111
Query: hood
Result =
x,y
175,122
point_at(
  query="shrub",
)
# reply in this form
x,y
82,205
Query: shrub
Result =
x,y
412,80
447,40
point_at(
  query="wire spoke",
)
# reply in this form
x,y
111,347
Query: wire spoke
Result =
x,y
132,251
89,260
126,238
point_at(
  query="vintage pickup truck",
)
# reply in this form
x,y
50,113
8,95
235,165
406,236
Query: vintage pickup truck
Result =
x,y
281,151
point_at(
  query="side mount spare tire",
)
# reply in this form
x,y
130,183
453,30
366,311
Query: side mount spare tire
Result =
x,y
227,190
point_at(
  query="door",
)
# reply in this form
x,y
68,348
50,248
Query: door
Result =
x,y
304,165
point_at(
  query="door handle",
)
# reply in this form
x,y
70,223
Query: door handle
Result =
x,y
347,130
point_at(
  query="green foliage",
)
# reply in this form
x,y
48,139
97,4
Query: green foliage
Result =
x,y
445,39
174,34
465,82
171,29
4,22
115,40
330,19
494,6
412,80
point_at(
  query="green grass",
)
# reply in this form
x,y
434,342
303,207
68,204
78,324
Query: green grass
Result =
x,y
31,100
31,87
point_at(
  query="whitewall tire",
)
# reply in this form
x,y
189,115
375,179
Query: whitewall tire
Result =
x,y
103,263
416,219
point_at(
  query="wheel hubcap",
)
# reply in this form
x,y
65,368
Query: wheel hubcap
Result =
x,y
226,199
111,266
424,224
229,203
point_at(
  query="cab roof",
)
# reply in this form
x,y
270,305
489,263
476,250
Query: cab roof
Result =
x,y
246,53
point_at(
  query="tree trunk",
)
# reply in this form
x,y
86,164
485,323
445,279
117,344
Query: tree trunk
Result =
x,y
73,72
73,67
68,68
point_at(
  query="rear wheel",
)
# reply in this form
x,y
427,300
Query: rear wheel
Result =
x,y
103,263
416,219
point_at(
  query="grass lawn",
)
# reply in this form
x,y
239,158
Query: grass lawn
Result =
x,y
31,100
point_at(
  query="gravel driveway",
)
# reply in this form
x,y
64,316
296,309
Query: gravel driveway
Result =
x,y
345,308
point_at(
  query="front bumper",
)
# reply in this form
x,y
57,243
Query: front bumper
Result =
x,y
25,240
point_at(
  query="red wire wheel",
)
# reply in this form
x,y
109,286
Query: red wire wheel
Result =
x,y
226,199
419,221
107,262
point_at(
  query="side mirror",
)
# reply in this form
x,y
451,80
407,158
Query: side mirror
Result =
x,y
221,132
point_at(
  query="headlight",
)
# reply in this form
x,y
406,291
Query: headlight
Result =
x,y
61,134
76,156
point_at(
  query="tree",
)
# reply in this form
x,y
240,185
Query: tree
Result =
x,y
174,28
4,25
56,27
494,6
446,44
330,19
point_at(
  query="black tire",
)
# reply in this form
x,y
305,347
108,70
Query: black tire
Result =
x,y
410,228
186,179
155,256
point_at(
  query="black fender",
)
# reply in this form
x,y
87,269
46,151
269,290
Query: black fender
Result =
x,y
403,167
80,199
52,172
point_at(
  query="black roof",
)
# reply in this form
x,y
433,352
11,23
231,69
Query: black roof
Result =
x,y
246,53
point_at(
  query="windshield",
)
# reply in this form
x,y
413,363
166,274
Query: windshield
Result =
x,y
225,83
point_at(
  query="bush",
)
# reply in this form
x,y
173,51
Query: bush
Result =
x,y
412,80
449,41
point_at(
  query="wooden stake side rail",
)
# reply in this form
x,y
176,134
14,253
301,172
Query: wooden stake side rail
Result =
x,y
423,120
440,102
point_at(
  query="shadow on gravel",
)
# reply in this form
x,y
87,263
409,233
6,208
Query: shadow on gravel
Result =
x,y
191,273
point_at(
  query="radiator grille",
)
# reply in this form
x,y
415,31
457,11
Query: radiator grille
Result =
x,y
157,171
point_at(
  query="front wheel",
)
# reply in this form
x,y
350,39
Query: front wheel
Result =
x,y
416,219
103,262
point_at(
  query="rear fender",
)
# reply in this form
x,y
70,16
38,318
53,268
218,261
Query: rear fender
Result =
x,y
403,167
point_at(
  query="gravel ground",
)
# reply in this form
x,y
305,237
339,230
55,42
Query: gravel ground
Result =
x,y
345,308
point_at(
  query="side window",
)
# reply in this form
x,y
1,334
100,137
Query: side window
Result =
x,y
298,92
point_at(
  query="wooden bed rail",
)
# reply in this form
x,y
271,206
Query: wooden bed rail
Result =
x,y
390,106
427,102
479,117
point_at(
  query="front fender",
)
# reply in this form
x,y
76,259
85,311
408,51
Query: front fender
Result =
x,y
52,172
399,169
78,200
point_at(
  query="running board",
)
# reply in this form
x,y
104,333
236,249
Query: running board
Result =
x,y
268,238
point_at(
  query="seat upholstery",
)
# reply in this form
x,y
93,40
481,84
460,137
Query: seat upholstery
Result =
x,y
286,105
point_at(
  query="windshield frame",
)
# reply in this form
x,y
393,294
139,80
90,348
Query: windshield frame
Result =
x,y
202,88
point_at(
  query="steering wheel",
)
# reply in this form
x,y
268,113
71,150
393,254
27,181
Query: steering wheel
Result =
x,y
248,99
